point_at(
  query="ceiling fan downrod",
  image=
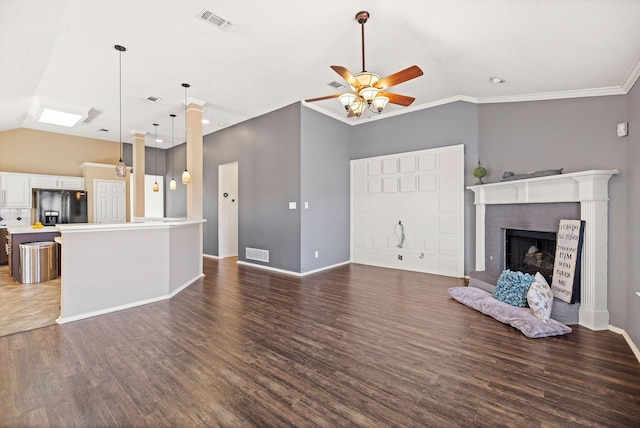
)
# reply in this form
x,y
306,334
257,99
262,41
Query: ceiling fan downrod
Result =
x,y
362,17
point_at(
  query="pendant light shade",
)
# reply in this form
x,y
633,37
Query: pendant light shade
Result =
x,y
121,167
172,183
186,177
156,187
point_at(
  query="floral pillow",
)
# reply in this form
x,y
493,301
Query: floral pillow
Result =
x,y
540,297
512,288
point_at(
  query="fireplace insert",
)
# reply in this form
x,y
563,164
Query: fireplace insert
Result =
x,y
530,251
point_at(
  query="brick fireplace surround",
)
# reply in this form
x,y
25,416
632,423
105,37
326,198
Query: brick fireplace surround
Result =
x,y
538,204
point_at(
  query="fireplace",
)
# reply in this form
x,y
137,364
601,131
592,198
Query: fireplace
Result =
x,y
587,188
530,251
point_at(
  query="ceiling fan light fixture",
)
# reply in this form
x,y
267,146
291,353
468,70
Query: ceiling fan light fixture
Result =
x,y
380,102
358,107
368,93
347,100
366,79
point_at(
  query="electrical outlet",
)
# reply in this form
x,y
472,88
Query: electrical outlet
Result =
x,y
399,257
317,254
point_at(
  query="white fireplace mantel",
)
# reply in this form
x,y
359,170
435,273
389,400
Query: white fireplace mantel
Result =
x,y
591,190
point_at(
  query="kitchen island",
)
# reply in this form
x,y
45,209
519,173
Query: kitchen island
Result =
x,y
110,267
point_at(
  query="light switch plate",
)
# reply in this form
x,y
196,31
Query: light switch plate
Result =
x,y
622,129
292,205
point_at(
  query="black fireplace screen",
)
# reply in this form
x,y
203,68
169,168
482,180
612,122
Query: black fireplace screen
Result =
x,y
530,252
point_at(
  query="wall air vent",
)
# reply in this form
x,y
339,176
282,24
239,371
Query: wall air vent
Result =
x,y
218,21
256,254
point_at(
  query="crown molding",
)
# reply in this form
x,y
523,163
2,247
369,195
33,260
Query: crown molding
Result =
x,y
632,77
541,96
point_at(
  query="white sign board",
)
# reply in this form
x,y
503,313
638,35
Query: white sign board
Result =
x,y
565,283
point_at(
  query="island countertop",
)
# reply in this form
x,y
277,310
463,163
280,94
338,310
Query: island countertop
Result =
x,y
28,229
138,223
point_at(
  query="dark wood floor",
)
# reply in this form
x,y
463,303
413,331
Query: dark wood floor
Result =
x,y
352,346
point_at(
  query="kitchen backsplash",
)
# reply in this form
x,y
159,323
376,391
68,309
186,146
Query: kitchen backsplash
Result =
x,y
10,216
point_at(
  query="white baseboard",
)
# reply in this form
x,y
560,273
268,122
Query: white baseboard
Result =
x,y
288,272
626,336
210,256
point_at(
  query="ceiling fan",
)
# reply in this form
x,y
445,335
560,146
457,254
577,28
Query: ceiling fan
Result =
x,y
368,88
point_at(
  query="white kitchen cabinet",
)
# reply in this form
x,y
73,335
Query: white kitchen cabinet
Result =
x,y
16,192
57,182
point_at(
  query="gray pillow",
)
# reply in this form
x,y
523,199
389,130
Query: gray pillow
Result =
x,y
521,318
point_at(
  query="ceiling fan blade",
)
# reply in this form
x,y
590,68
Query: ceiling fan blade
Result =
x,y
328,97
346,75
402,100
399,77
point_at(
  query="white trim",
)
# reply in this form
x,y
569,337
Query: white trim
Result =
x,y
623,89
288,272
186,284
542,96
632,77
211,256
626,336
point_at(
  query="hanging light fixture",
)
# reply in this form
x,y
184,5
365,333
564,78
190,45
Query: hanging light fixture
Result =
x,y
156,187
172,183
186,177
121,167
368,90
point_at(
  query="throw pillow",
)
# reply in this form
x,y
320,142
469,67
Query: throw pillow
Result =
x,y
540,297
512,288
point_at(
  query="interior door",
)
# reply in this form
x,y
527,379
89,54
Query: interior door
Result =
x,y
109,200
228,210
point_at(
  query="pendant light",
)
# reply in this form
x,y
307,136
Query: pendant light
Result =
x,y
186,177
121,167
156,187
172,183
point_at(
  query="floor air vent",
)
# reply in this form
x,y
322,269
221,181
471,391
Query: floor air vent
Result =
x,y
256,254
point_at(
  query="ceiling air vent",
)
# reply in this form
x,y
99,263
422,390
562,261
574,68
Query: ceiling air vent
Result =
x,y
336,85
218,21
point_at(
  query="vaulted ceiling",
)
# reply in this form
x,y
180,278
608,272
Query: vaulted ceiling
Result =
x,y
278,52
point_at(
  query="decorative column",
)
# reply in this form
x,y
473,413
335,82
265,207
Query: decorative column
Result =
x,y
594,200
138,172
194,158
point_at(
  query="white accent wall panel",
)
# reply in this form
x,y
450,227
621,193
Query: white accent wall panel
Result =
x,y
424,190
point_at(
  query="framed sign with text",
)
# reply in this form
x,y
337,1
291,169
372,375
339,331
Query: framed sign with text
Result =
x,y
565,283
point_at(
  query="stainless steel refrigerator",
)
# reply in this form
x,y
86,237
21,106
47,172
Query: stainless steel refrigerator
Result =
x,y
60,206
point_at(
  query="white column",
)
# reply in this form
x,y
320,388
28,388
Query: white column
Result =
x,y
480,244
594,313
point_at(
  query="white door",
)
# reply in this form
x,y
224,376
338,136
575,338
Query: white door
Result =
x,y
228,210
407,211
109,201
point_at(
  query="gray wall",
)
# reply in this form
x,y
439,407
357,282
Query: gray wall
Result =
x,y
632,175
267,149
446,125
326,150
575,134
175,201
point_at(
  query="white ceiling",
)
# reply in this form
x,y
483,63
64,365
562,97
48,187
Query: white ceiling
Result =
x,y
278,52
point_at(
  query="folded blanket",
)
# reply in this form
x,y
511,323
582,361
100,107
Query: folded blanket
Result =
x,y
520,318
